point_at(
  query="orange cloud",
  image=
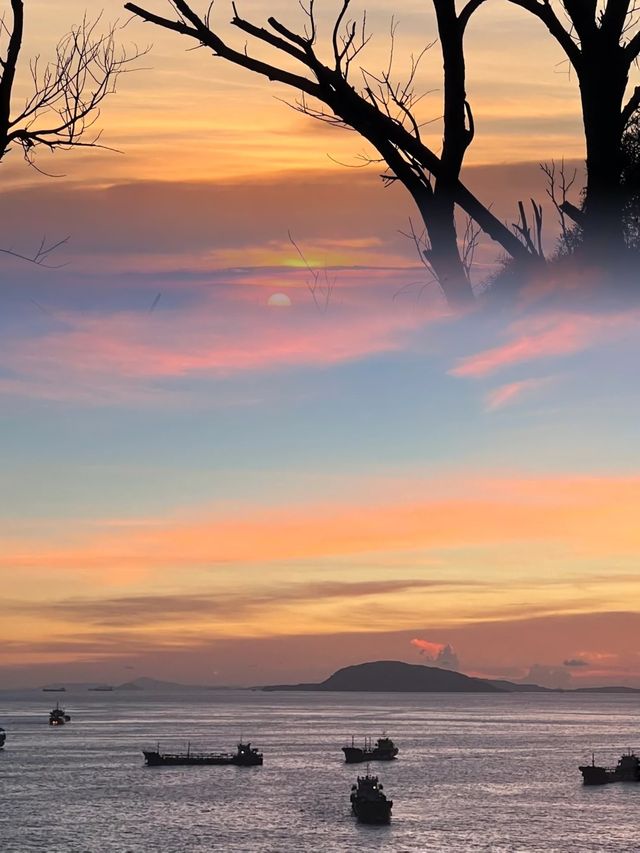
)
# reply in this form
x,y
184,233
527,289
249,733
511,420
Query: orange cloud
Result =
x,y
431,649
589,516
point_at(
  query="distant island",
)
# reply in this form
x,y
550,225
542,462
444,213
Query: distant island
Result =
x,y
382,676
143,683
393,676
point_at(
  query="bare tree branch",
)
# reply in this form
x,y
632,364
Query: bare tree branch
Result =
x,y
67,93
382,111
209,39
41,255
558,181
531,234
321,285
543,10
467,11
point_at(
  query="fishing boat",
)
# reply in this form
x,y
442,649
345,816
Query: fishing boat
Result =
x,y
368,802
384,750
244,756
58,716
626,770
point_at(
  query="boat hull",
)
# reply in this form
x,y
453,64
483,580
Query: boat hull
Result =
x,y
157,759
596,775
372,811
355,755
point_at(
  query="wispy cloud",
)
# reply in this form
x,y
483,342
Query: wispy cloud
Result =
x,y
124,356
544,337
145,610
582,515
512,392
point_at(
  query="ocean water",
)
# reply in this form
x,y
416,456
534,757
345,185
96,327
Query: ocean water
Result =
x,y
475,773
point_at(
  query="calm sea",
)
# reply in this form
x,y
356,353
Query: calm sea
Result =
x,y
492,773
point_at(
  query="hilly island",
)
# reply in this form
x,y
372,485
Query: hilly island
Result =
x,y
392,676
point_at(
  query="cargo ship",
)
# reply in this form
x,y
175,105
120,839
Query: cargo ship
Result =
x,y
626,770
384,750
244,756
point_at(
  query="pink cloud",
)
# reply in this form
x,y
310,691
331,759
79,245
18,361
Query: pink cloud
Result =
x,y
432,650
506,395
126,356
546,336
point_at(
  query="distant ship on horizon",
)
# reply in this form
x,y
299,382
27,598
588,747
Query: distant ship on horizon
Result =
x,y
54,689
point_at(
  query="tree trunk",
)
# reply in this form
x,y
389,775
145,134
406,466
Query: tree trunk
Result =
x,y
438,215
444,254
602,91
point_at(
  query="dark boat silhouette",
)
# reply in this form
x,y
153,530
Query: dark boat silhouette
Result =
x,y
54,689
58,716
3,737
384,750
368,802
626,770
244,756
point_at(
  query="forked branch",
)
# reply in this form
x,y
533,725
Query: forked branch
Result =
x,y
66,93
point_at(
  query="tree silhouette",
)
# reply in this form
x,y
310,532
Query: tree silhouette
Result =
x,y
601,41
631,181
66,95
63,106
380,110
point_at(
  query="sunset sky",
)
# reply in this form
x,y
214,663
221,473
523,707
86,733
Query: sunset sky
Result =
x,y
201,485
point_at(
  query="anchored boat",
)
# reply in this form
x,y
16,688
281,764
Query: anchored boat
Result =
x,y
58,716
244,756
626,770
384,750
368,802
